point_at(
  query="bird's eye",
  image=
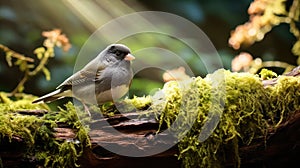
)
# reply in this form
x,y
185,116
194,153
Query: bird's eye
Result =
x,y
118,53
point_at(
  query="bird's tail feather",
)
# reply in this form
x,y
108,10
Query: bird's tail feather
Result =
x,y
55,95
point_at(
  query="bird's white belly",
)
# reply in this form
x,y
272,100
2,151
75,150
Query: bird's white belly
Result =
x,y
113,94
87,94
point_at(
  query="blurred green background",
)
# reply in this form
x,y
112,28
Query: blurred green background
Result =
x,y
21,24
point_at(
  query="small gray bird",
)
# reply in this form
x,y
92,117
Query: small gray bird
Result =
x,y
106,78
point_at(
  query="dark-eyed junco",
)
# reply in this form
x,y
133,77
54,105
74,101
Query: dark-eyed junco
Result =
x,y
104,79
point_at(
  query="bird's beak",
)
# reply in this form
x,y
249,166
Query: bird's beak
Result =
x,y
129,57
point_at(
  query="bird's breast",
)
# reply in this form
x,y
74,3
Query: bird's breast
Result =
x,y
112,94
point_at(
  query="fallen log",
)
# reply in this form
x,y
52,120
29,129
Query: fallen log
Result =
x,y
278,148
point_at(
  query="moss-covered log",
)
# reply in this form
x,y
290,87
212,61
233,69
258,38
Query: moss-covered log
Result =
x,y
279,149
259,127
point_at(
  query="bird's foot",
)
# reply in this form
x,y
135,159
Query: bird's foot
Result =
x,y
86,109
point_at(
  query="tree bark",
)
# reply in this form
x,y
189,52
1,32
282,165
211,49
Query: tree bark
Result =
x,y
281,147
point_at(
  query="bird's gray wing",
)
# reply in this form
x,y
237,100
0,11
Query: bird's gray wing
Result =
x,y
83,77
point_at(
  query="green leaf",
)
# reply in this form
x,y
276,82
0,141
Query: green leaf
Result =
x,y
46,73
18,62
22,64
9,58
46,54
39,52
39,56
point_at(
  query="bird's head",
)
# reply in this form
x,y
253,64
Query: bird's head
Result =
x,y
119,52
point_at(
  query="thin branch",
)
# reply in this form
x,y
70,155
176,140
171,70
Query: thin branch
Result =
x,y
40,66
257,66
15,54
20,84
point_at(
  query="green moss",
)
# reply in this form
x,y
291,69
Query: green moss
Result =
x,y
168,101
14,124
267,74
125,106
19,102
246,109
249,111
139,102
71,116
284,98
38,132
62,153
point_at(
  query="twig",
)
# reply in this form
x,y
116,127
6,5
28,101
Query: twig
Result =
x,y
20,84
53,38
279,64
41,65
15,54
29,73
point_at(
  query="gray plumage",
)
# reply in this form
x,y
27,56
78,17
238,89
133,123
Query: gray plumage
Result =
x,y
105,78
